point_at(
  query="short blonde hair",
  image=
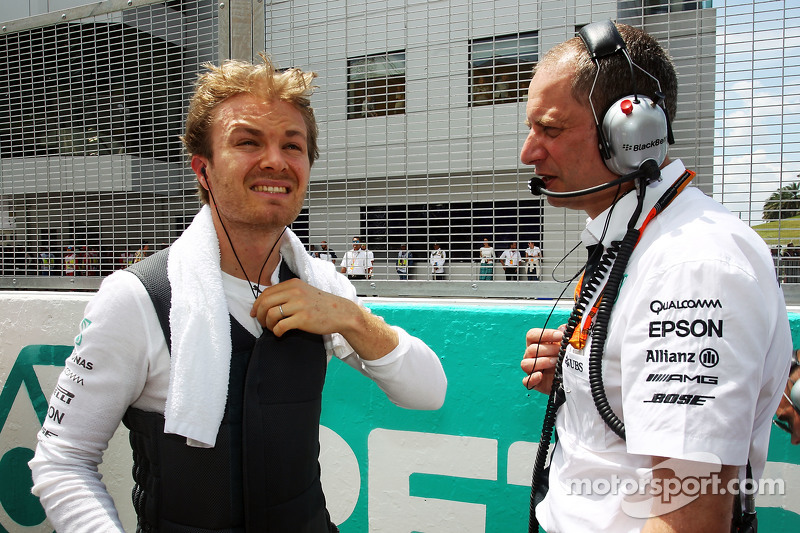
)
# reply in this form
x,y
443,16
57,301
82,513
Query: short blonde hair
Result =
x,y
238,77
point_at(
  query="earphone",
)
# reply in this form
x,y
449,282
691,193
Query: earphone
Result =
x,y
634,128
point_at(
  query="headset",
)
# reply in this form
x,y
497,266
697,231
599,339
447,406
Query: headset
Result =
x,y
794,393
633,130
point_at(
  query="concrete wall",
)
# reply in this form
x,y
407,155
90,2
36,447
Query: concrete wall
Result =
x,y
463,468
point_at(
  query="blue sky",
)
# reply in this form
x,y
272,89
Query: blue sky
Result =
x,y
757,126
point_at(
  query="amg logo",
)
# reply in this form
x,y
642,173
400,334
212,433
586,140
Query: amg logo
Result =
x,y
665,356
683,378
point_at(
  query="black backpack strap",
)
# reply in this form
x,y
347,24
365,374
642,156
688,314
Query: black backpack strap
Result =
x,y
152,271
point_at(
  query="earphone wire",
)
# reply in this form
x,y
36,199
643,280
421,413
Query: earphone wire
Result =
x,y
254,287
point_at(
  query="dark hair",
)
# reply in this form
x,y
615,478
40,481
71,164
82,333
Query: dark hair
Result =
x,y
614,80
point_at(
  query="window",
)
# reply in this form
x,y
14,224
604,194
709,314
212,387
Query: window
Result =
x,y
91,89
459,227
632,8
376,85
500,68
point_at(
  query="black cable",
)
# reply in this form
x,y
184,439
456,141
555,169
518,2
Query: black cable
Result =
x,y
254,287
600,331
615,278
556,397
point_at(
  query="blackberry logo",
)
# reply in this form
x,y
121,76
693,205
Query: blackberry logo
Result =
x,y
645,146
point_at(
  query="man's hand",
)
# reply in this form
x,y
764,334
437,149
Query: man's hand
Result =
x,y
541,356
295,304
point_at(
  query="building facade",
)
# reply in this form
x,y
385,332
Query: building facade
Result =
x,y
420,106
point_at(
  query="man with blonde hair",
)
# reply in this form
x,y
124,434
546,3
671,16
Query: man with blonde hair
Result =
x,y
220,378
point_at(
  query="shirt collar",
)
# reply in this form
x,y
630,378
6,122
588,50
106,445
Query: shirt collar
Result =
x,y
622,210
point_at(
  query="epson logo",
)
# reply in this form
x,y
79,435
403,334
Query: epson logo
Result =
x,y
684,328
683,378
645,146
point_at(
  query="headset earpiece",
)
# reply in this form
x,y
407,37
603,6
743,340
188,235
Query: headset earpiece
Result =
x,y
794,394
634,130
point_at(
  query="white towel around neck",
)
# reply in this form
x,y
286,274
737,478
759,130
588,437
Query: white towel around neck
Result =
x,y
201,326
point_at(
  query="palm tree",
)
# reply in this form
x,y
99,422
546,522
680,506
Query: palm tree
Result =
x,y
783,203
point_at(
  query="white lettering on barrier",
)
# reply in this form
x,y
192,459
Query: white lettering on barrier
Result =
x,y
341,479
395,455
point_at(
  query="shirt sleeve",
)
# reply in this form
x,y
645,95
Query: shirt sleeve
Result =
x,y
105,374
693,359
411,375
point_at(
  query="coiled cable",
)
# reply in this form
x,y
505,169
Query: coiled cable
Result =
x,y
557,395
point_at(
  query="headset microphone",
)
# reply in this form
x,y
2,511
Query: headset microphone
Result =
x,y
648,171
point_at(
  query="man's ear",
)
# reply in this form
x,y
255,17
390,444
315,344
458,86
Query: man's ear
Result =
x,y
199,165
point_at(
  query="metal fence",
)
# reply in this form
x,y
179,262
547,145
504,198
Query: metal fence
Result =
x,y
420,106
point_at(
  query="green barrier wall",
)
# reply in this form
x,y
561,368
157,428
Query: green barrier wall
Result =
x,y
465,467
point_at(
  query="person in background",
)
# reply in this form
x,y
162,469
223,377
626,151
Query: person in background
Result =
x,y
438,259
125,259
223,407
142,252
511,259
370,259
486,254
354,262
89,261
70,261
402,263
533,262
48,266
325,254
